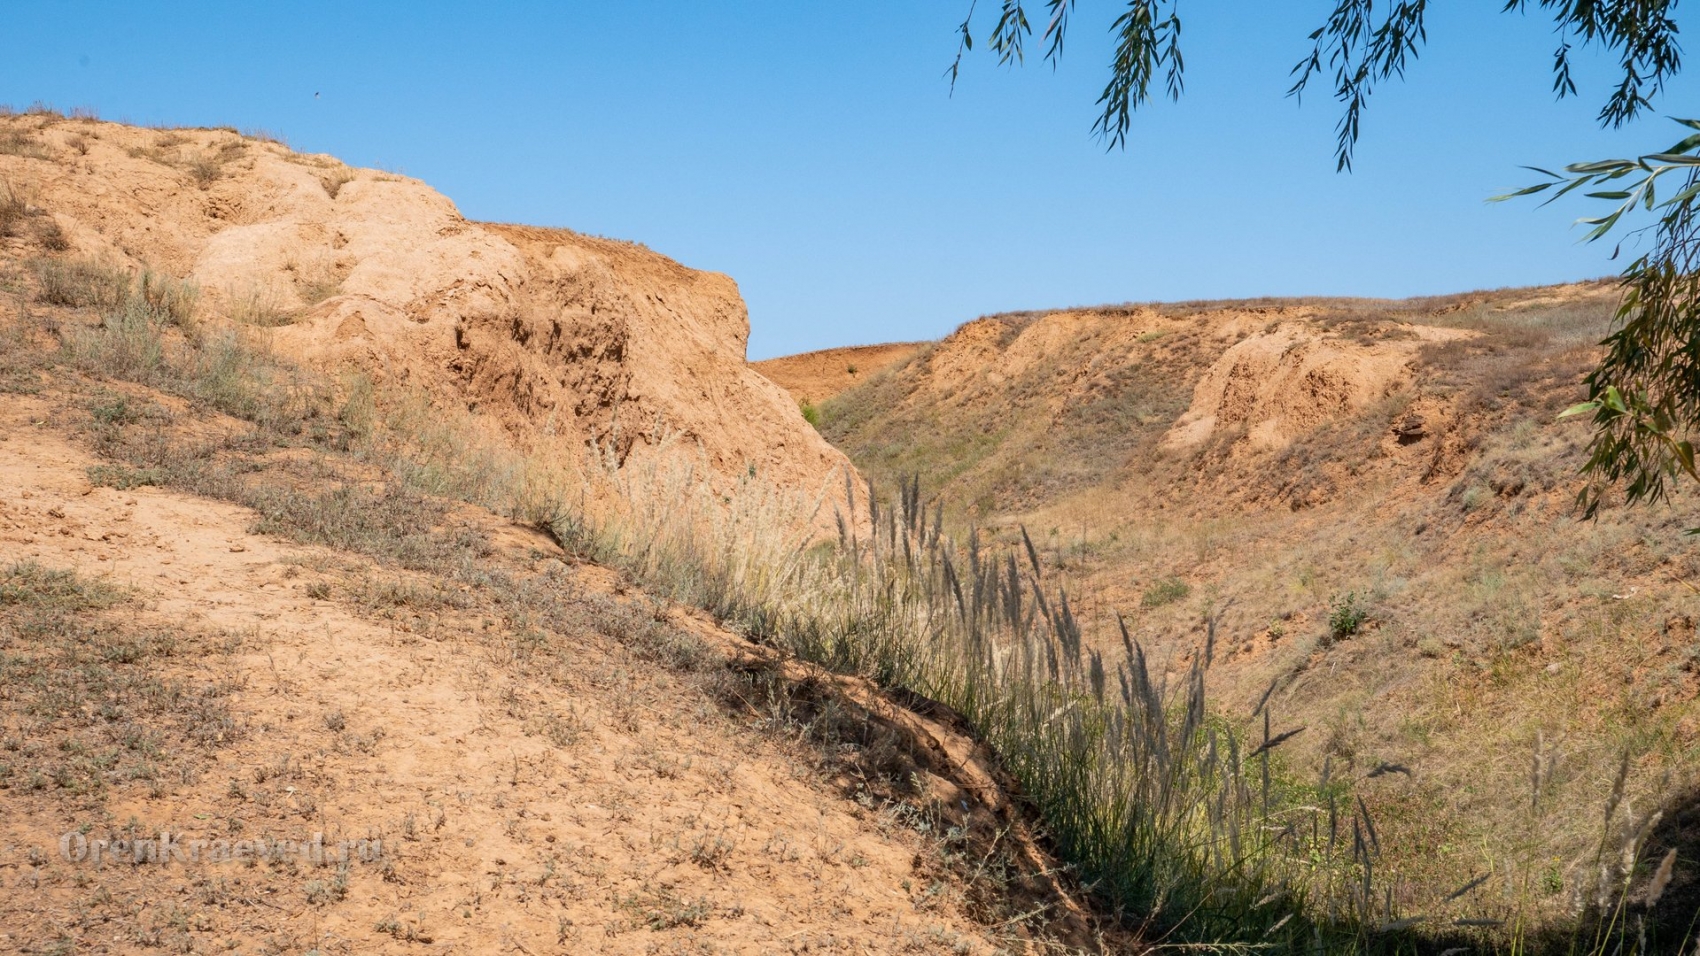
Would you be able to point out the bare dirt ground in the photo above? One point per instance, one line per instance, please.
(535, 790)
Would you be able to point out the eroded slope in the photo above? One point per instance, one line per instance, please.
(545, 331)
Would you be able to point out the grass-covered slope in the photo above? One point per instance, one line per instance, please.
(1373, 499)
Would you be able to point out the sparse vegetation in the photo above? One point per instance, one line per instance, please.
(203, 166)
(260, 307)
(81, 282)
(106, 699)
(660, 908)
(1164, 591)
(18, 142)
(870, 610)
(50, 236)
(308, 501)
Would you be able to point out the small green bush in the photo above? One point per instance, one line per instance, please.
(28, 583)
(1164, 591)
(811, 414)
(117, 411)
(1346, 615)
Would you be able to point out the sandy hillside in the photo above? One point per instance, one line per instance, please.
(1374, 499)
(244, 629)
(817, 376)
(241, 606)
(544, 330)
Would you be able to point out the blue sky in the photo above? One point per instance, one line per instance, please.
(814, 152)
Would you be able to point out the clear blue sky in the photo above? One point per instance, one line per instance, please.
(812, 150)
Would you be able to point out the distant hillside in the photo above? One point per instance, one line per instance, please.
(817, 376)
(1374, 498)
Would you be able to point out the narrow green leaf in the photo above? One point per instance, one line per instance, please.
(1604, 166)
(1674, 159)
(1685, 457)
(1682, 197)
(1525, 191)
(1574, 184)
(1686, 144)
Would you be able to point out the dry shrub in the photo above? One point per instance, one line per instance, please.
(208, 168)
(319, 277)
(50, 236)
(17, 142)
(81, 283)
(13, 210)
(204, 171)
(169, 300)
(334, 180)
(261, 308)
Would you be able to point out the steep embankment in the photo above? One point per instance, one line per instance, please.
(543, 331)
(1374, 500)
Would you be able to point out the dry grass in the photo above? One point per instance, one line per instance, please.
(16, 141)
(261, 308)
(203, 165)
(107, 704)
(318, 277)
(13, 211)
(335, 179)
(81, 283)
(1480, 614)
